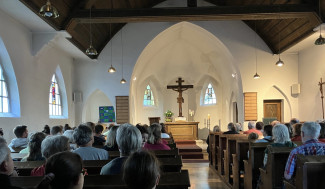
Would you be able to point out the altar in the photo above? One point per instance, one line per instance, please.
(183, 130)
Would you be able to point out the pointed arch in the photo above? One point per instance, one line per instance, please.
(209, 96)
(58, 106)
(9, 86)
(148, 97)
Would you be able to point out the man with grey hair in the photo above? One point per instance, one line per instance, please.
(251, 129)
(311, 146)
(6, 165)
(129, 140)
(51, 145)
(83, 137)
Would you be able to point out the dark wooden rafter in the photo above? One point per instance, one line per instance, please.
(195, 14)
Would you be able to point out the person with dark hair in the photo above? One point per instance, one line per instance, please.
(99, 139)
(56, 130)
(111, 144)
(51, 145)
(129, 140)
(290, 129)
(141, 171)
(322, 132)
(47, 130)
(259, 126)
(294, 121)
(251, 128)
(67, 127)
(252, 136)
(34, 146)
(21, 141)
(154, 141)
(1, 132)
(267, 133)
(231, 129)
(90, 125)
(144, 133)
(63, 170)
(163, 131)
(296, 132)
(83, 136)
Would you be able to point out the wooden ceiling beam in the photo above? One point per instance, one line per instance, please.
(195, 14)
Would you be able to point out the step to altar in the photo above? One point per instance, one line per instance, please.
(189, 150)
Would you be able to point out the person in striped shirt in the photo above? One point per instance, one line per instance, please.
(311, 146)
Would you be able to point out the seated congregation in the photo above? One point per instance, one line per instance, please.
(269, 156)
(126, 156)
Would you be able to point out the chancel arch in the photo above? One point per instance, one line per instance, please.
(191, 52)
(90, 110)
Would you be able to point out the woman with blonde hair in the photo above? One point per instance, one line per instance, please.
(154, 140)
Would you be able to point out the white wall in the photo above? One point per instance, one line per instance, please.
(311, 69)
(91, 111)
(33, 76)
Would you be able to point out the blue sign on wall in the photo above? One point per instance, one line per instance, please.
(106, 114)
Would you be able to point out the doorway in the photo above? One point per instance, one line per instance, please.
(272, 109)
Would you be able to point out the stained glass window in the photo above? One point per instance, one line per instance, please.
(55, 108)
(210, 96)
(148, 99)
(4, 100)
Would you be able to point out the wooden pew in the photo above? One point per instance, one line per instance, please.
(220, 154)
(309, 173)
(231, 149)
(170, 180)
(272, 175)
(242, 147)
(172, 164)
(159, 153)
(252, 165)
(214, 143)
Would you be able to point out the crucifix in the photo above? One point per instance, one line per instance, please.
(322, 93)
(179, 88)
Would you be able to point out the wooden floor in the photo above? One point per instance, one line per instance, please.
(202, 177)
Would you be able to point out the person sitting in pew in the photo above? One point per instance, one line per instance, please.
(99, 139)
(34, 147)
(47, 130)
(231, 129)
(83, 136)
(322, 132)
(69, 135)
(281, 139)
(141, 171)
(129, 140)
(21, 141)
(252, 137)
(251, 128)
(63, 170)
(144, 133)
(6, 165)
(111, 144)
(154, 141)
(57, 130)
(296, 132)
(311, 146)
(51, 145)
(163, 131)
(267, 133)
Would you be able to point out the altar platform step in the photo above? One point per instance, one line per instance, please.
(189, 150)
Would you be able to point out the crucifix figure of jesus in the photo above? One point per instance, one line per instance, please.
(179, 88)
(321, 93)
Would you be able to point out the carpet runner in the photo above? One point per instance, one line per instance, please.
(188, 149)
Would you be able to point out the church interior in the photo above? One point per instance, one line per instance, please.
(214, 45)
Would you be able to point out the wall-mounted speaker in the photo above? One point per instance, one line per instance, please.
(77, 97)
(295, 89)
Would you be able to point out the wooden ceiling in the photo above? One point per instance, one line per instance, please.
(291, 20)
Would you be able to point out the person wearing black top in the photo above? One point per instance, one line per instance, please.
(231, 129)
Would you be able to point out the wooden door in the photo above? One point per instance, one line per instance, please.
(272, 109)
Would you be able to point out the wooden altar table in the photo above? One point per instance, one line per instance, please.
(183, 130)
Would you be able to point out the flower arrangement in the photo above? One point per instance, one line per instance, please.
(169, 113)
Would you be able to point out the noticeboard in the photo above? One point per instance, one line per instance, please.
(106, 114)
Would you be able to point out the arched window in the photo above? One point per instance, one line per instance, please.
(148, 99)
(210, 96)
(4, 100)
(55, 108)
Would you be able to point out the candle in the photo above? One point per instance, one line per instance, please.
(208, 116)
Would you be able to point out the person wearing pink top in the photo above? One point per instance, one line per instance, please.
(251, 129)
(154, 140)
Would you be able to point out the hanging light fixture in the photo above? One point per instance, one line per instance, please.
(256, 76)
(320, 40)
(279, 62)
(91, 51)
(122, 80)
(48, 10)
(111, 69)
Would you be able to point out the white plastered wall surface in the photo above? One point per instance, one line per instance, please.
(33, 75)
